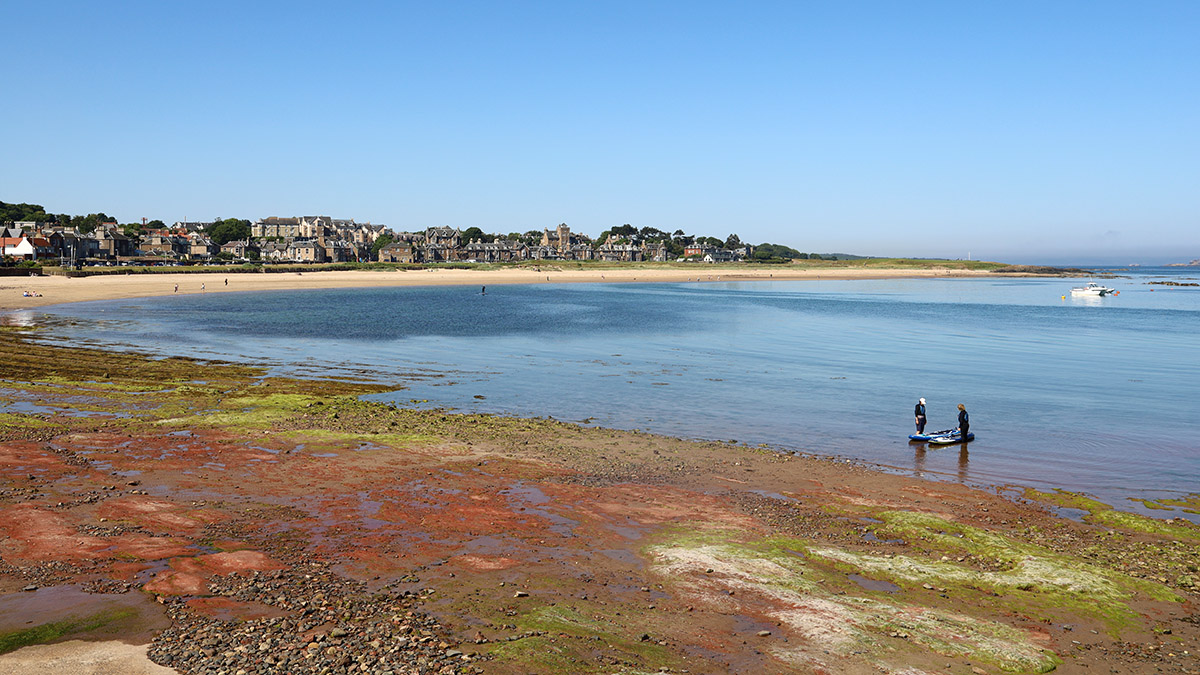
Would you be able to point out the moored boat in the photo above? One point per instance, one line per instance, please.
(1093, 288)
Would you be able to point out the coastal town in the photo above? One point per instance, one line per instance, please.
(322, 239)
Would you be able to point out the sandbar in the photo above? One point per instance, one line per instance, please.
(53, 290)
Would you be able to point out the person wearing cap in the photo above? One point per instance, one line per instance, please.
(964, 422)
(919, 413)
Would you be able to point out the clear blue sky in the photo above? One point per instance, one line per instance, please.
(1020, 131)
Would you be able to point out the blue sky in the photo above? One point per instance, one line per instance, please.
(1019, 131)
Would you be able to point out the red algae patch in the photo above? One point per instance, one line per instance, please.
(150, 548)
(158, 514)
(227, 609)
(652, 506)
(481, 563)
(24, 456)
(189, 576)
(31, 533)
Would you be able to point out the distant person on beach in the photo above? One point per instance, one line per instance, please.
(964, 422)
(176, 289)
(201, 286)
(919, 413)
(227, 282)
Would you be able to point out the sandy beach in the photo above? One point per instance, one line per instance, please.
(59, 289)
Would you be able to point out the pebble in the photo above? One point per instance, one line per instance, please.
(377, 633)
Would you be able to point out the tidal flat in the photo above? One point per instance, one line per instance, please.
(234, 521)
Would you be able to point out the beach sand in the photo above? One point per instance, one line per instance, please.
(60, 289)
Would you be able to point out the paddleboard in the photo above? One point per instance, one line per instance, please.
(952, 438)
(931, 434)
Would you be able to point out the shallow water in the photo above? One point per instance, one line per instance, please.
(1095, 394)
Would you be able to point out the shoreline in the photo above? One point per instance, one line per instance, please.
(326, 526)
(55, 290)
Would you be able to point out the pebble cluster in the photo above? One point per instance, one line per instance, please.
(328, 625)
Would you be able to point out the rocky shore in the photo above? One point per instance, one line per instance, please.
(243, 524)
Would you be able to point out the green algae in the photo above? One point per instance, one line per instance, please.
(560, 639)
(49, 632)
(801, 589)
(1103, 514)
(20, 421)
(1056, 580)
(318, 438)
(250, 412)
(1190, 501)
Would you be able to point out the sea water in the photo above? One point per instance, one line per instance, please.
(1100, 395)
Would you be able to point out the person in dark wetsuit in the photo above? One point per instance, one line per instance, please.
(964, 422)
(919, 413)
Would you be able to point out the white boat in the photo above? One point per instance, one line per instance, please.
(1093, 288)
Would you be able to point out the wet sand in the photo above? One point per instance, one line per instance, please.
(80, 657)
(59, 289)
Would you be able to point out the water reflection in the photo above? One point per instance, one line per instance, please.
(20, 319)
(964, 463)
(919, 460)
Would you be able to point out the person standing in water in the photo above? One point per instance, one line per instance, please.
(964, 422)
(483, 291)
(919, 413)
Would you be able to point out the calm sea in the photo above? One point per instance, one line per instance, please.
(1094, 394)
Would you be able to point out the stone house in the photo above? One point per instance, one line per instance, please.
(111, 242)
(500, 250)
(240, 250)
(619, 253)
(201, 247)
(443, 236)
(168, 245)
(285, 228)
(306, 250)
(397, 252)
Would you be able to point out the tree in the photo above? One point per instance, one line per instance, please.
(653, 234)
(380, 241)
(733, 241)
(230, 229)
(156, 224)
(766, 252)
(625, 230)
(10, 213)
(472, 233)
(88, 223)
